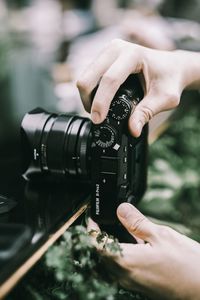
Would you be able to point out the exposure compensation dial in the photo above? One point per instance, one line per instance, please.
(105, 136)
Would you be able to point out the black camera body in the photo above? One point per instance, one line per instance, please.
(119, 168)
(105, 156)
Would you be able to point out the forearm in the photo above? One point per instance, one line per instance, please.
(189, 62)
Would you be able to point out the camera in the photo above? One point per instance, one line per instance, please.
(104, 156)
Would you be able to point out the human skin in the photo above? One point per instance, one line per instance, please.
(166, 266)
(164, 75)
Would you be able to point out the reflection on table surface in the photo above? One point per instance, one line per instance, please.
(30, 212)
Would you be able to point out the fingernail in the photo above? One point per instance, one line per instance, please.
(95, 116)
(123, 210)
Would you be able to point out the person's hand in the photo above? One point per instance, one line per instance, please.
(166, 266)
(165, 74)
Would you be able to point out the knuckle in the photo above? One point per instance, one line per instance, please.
(83, 86)
(172, 99)
(147, 113)
(109, 80)
(97, 105)
(164, 231)
(137, 225)
(116, 42)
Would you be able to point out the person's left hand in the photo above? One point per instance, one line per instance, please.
(166, 266)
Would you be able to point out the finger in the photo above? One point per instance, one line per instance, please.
(93, 230)
(92, 226)
(91, 77)
(118, 72)
(138, 240)
(136, 223)
(116, 269)
(151, 105)
(132, 259)
(100, 240)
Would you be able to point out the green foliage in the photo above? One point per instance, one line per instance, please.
(80, 270)
(74, 263)
(174, 182)
(73, 269)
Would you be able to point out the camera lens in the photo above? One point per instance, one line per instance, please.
(56, 144)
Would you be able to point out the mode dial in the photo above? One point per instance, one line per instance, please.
(104, 136)
(120, 108)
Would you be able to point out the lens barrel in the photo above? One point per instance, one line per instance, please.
(56, 144)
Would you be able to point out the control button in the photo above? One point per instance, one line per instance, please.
(125, 149)
(125, 176)
(125, 159)
(116, 147)
(109, 165)
(122, 191)
(131, 199)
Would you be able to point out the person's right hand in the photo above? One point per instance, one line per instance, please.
(165, 74)
(166, 266)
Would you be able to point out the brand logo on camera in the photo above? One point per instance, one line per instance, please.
(97, 199)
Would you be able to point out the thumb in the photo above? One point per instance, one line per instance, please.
(143, 113)
(136, 223)
(152, 104)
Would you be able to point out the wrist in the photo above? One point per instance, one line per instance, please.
(189, 64)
